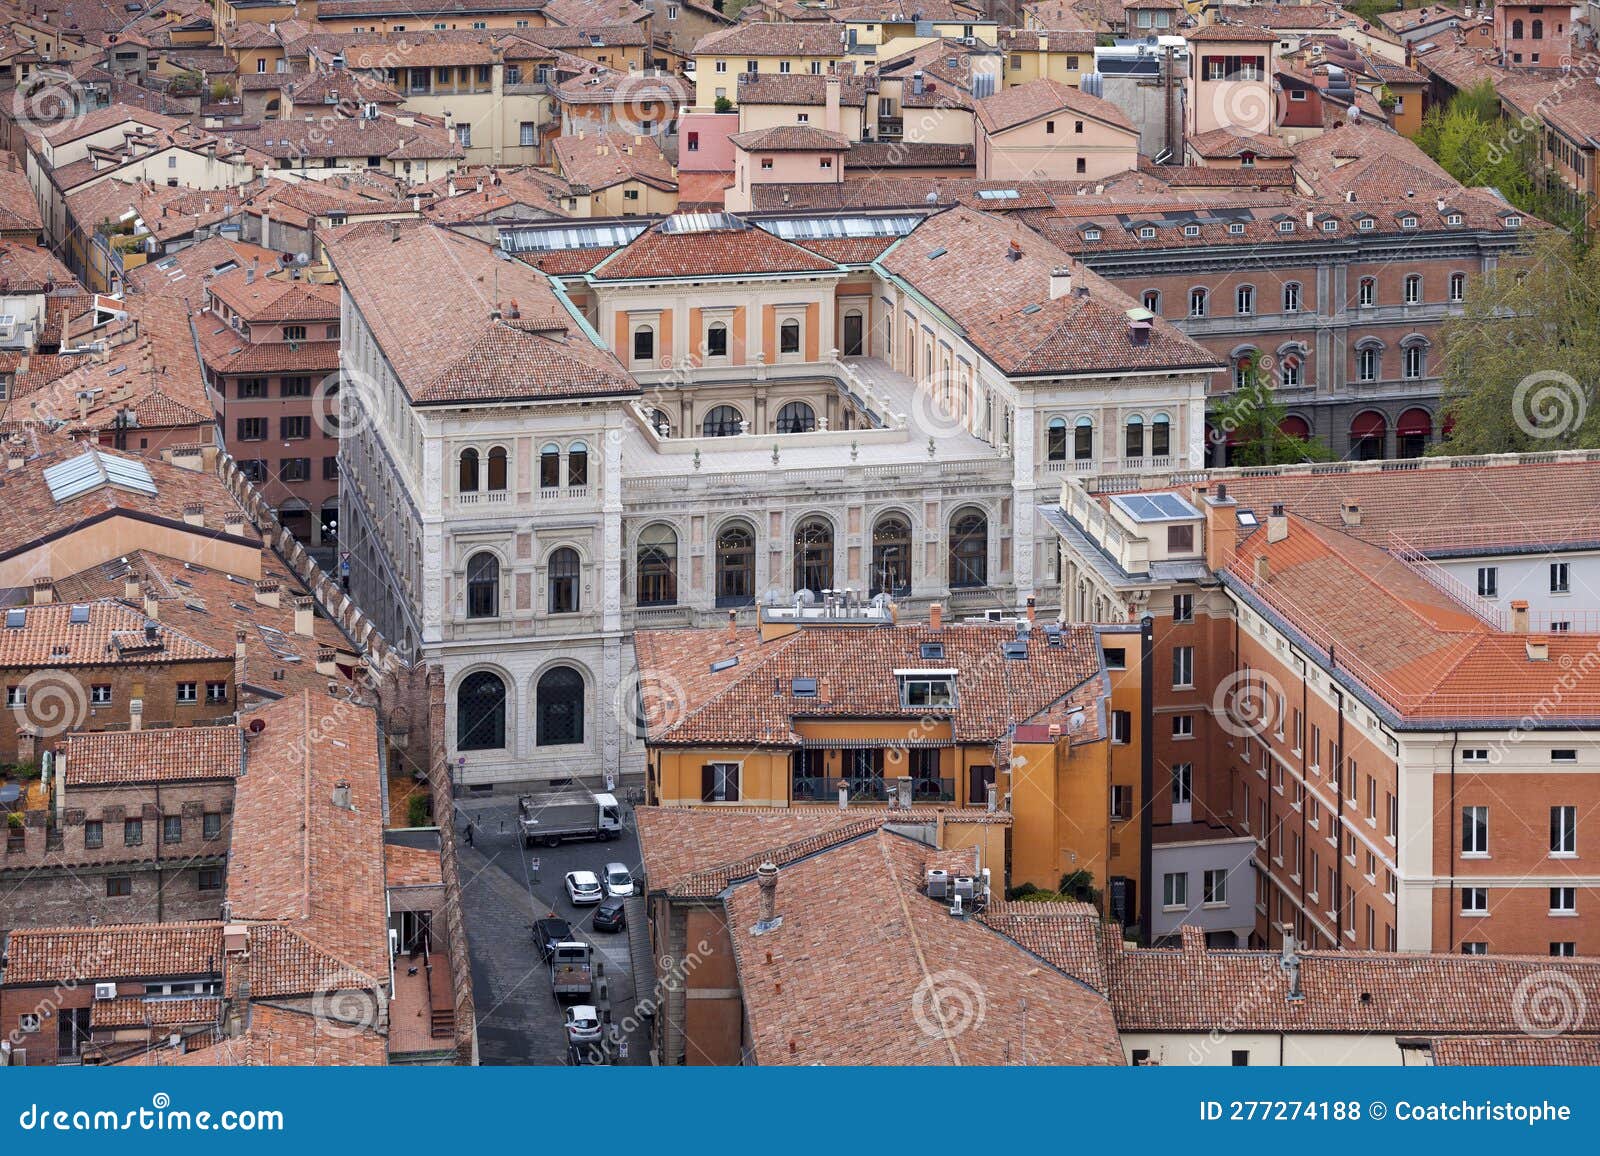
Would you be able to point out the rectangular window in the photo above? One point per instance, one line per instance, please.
(719, 783)
(528, 134)
(1474, 830)
(1567, 948)
(1182, 783)
(1475, 755)
(330, 468)
(1121, 726)
(1183, 726)
(94, 834)
(1182, 666)
(172, 828)
(294, 470)
(1183, 608)
(1116, 657)
(210, 879)
(916, 692)
(294, 333)
(1474, 947)
(1215, 887)
(1474, 901)
(100, 695)
(294, 428)
(1559, 583)
(1175, 890)
(250, 388)
(132, 832)
(210, 825)
(1563, 830)
(119, 886)
(295, 386)
(252, 429)
(1122, 803)
(1488, 581)
(1563, 901)
(187, 695)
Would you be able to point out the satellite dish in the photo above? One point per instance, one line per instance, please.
(302, 259)
(257, 725)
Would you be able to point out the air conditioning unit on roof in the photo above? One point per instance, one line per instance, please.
(105, 991)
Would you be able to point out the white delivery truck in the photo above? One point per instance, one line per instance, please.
(551, 819)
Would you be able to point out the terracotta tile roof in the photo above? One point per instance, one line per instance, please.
(692, 852)
(344, 137)
(109, 117)
(1378, 165)
(855, 669)
(1515, 1051)
(850, 250)
(582, 39)
(229, 353)
(716, 252)
(410, 866)
(280, 1037)
(598, 84)
(27, 268)
(133, 1012)
(1065, 934)
(114, 635)
(1025, 332)
(301, 860)
(168, 213)
(1297, 16)
(601, 160)
(47, 955)
(179, 754)
(277, 298)
(773, 40)
(904, 982)
(791, 138)
(438, 332)
(1229, 34)
(586, 13)
(801, 88)
(1068, 40)
(889, 156)
(1022, 103)
(1233, 142)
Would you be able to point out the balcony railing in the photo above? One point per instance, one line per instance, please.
(823, 789)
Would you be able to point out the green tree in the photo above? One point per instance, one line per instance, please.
(1253, 416)
(1522, 363)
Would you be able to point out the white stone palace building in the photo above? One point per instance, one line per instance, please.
(598, 427)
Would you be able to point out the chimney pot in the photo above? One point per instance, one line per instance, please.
(767, 880)
(1060, 282)
(1263, 570)
(936, 616)
(267, 593)
(1277, 524)
(1538, 646)
(304, 616)
(1350, 513)
(733, 626)
(1519, 616)
(44, 591)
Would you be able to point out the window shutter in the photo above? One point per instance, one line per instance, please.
(732, 792)
(708, 783)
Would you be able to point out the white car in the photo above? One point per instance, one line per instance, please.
(619, 881)
(583, 1024)
(583, 888)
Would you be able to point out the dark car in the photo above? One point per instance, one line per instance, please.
(548, 932)
(587, 1055)
(612, 915)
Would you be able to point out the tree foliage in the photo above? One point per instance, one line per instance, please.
(1253, 416)
(1522, 363)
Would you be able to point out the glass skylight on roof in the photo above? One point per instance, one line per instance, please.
(822, 228)
(998, 194)
(91, 469)
(1155, 507)
(553, 240)
(723, 664)
(79, 615)
(16, 619)
(701, 223)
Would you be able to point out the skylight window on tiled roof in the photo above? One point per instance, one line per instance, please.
(16, 619)
(723, 664)
(933, 650)
(1015, 651)
(536, 240)
(79, 615)
(825, 228)
(997, 194)
(90, 470)
(803, 687)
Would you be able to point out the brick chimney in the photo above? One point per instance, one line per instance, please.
(1222, 528)
(824, 689)
(233, 524)
(152, 605)
(304, 616)
(767, 880)
(1263, 570)
(44, 591)
(733, 626)
(325, 662)
(1519, 616)
(936, 616)
(1350, 513)
(194, 514)
(267, 593)
(240, 650)
(1277, 524)
(1538, 646)
(1033, 612)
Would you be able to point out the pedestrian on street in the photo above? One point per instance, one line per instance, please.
(469, 833)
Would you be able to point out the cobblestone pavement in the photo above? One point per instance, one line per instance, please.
(505, 887)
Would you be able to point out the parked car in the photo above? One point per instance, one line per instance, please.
(612, 915)
(586, 1055)
(548, 932)
(583, 1024)
(583, 888)
(619, 880)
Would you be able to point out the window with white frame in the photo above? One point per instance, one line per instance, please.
(1175, 889)
(1413, 285)
(1182, 783)
(1488, 581)
(1563, 830)
(1291, 297)
(1183, 726)
(1474, 830)
(1182, 666)
(1563, 901)
(1214, 887)
(1474, 901)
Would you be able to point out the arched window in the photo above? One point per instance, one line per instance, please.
(1414, 362)
(1289, 364)
(797, 417)
(1538, 30)
(1152, 300)
(736, 565)
(1367, 291)
(1244, 364)
(467, 479)
(657, 566)
(969, 549)
(717, 340)
(660, 422)
(1055, 440)
(550, 466)
(789, 336)
(564, 573)
(1197, 303)
(1160, 436)
(577, 464)
(1083, 440)
(481, 712)
(644, 343)
(1414, 289)
(1458, 288)
(1291, 297)
(1133, 438)
(483, 586)
(558, 707)
(722, 421)
(1516, 30)
(891, 556)
(1245, 300)
(1367, 435)
(497, 468)
(1413, 430)
(813, 555)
